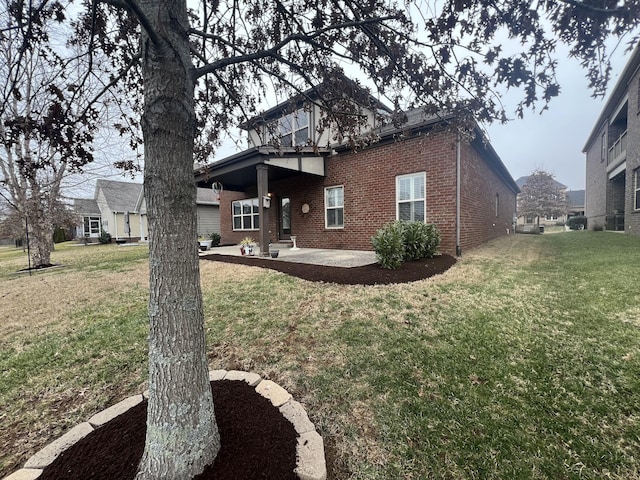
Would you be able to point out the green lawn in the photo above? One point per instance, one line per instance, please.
(522, 361)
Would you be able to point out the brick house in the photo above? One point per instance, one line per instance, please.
(612, 198)
(330, 196)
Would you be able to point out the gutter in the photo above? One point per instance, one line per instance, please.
(458, 247)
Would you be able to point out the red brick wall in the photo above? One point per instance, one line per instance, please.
(369, 180)
(479, 186)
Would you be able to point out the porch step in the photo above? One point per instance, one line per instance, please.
(281, 244)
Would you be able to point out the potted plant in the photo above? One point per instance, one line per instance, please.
(246, 246)
(204, 243)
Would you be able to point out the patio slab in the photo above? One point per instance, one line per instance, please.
(314, 256)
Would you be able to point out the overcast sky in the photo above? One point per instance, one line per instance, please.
(553, 141)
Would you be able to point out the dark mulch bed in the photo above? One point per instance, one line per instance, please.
(365, 275)
(258, 443)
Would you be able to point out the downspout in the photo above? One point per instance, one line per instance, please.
(458, 247)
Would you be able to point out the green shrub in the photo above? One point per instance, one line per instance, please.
(104, 237)
(421, 240)
(400, 241)
(59, 235)
(215, 239)
(389, 246)
(577, 223)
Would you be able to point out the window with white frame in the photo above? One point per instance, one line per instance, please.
(636, 188)
(334, 207)
(92, 226)
(410, 197)
(293, 129)
(246, 214)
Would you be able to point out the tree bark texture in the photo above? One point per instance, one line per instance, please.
(182, 435)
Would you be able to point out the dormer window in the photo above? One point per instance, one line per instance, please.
(293, 129)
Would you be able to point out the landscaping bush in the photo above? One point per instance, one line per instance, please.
(421, 240)
(215, 239)
(59, 235)
(577, 223)
(104, 237)
(389, 245)
(400, 241)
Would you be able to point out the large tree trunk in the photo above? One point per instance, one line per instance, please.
(182, 435)
(40, 237)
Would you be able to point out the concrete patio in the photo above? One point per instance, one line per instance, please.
(314, 256)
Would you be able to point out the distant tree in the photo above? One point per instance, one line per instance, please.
(199, 71)
(49, 112)
(542, 196)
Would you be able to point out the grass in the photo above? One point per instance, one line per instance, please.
(522, 361)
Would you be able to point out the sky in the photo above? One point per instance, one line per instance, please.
(553, 141)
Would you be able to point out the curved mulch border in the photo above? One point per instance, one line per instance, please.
(371, 274)
(264, 434)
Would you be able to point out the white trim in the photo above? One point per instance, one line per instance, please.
(413, 199)
(337, 207)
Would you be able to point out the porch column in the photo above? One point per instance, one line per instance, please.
(263, 190)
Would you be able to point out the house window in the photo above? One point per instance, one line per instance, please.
(293, 129)
(636, 188)
(410, 197)
(603, 147)
(334, 207)
(92, 226)
(497, 204)
(550, 218)
(246, 214)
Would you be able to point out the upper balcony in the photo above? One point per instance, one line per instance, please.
(618, 151)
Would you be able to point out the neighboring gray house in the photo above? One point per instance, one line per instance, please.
(612, 199)
(88, 210)
(208, 206)
(119, 209)
(124, 212)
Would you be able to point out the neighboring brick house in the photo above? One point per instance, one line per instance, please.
(334, 197)
(612, 199)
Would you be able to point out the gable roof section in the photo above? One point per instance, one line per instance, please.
(120, 196)
(575, 198)
(416, 121)
(523, 180)
(617, 94)
(87, 207)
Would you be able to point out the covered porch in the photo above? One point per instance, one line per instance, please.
(246, 180)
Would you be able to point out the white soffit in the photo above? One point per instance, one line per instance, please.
(313, 165)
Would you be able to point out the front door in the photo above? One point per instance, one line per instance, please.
(284, 218)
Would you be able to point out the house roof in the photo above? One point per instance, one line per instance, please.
(87, 207)
(617, 94)
(120, 196)
(312, 94)
(417, 121)
(129, 196)
(575, 198)
(523, 180)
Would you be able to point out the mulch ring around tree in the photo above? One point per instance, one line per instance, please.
(258, 443)
(371, 274)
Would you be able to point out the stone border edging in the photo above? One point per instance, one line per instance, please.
(310, 459)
